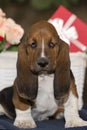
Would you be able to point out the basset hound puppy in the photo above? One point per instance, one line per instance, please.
(45, 85)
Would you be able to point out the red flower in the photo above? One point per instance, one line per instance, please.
(1, 38)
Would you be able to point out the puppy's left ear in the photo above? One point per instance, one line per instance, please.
(62, 72)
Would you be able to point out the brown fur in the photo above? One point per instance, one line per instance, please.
(73, 85)
(26, 82)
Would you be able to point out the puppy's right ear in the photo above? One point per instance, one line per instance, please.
(26, 82)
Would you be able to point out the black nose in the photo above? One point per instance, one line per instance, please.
(43, 62)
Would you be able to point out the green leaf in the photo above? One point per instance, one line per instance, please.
(13, 48)
(41, 4)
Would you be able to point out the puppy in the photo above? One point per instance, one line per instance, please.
(45, 85)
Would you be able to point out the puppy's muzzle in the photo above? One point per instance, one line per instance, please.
(42, 62)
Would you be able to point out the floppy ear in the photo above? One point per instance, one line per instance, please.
(26, 82)
(62, 73)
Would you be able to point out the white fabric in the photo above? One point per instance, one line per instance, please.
(7, 68)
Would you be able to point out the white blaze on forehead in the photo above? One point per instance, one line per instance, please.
(42, 49)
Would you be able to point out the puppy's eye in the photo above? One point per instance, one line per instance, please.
(34, 44)
(51, 45)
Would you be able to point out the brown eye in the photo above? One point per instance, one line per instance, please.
(51, 45)
(34, 44)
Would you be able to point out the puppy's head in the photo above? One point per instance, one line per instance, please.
(42, 47)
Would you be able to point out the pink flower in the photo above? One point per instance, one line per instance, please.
(2, 14)
(7, 45)
(9, 29)
(14, 32)
(2, 26)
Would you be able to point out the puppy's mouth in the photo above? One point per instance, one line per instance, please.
(43, 71)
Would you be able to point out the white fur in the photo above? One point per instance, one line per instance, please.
(45, 102)
(71, 112)
(2, 111)
(24, 119)
(42, 52)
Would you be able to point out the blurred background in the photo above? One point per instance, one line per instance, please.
(27, 12)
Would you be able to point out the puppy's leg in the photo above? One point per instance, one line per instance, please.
(59, 113)
(6, 105)
(24, 119)
(23, 113)
(71, 111)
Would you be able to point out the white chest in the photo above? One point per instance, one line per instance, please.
(45, 101)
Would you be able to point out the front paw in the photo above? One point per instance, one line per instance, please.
(25, 123)
(75, 123)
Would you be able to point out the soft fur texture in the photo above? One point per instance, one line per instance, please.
(45, 85)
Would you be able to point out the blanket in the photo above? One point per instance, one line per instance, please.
(52, 124)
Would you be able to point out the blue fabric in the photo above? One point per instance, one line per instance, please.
(52, 124)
